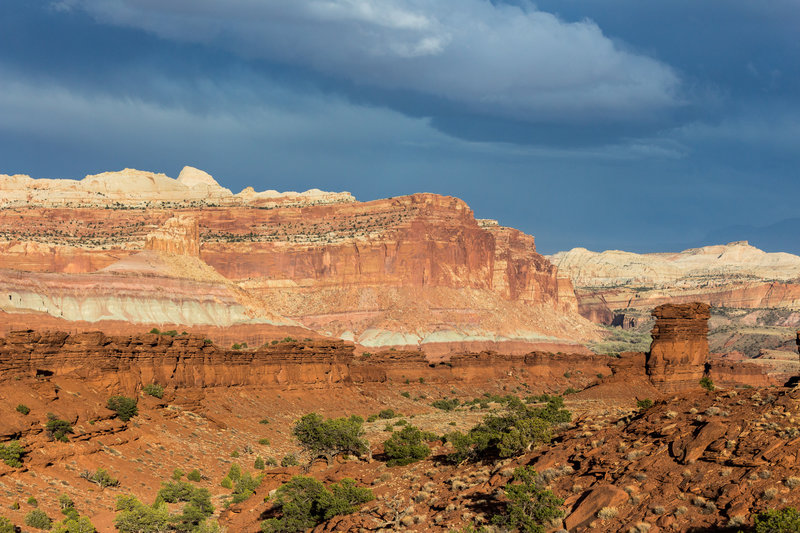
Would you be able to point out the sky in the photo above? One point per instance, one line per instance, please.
(607, 124)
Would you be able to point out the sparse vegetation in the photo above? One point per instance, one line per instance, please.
(194, 475)
(647, 403)
(511, 433)
(24, 409)
(6, 526)
(707, 384)
(407, 446)
(58, 429)
(775, 521)
(331, 437)
(125, 407)
(154, 389)
(530, 505)
(100, 477)
(289, 459)
(304, 502)
(445, 404)
(38, 519)
(11, 453)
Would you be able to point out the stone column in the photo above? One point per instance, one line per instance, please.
(679, 350)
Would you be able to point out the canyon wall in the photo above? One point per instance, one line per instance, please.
(126, 363)
(405, 271)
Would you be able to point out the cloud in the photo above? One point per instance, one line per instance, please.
(493, 59)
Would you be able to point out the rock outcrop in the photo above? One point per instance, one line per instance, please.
(678, 354)
(409, 271)
(179, 235)
(127, 362)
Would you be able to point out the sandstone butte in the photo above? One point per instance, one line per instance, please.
(735, 275)
(127, 251)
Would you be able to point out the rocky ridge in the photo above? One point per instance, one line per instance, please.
(411, 271)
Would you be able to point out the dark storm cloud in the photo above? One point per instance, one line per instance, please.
(499, 60)
(607, 124)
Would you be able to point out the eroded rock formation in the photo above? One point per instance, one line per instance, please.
(679, 349)
(178, 235)
(127, 362)
(407, 272)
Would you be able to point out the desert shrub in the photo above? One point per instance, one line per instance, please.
(387, 414)
(331, 437)
(57, 429)
(406, 446)
(226, 483)
(304, 502)
(264, 442)
(170, 333)
(136, 517)
(512, 433)
(154, 389)
(707, 384)
(445, 404)
(289, 460)
(570, 390)
(155, 331)
(235, 454)
(100, 477)
(38, 519)
(6, 526)
(24, 409)
(405, 394)
(647, 403)
(245, 487)
(234, 472)
(264, 421)
(372, 418)
(76, 524)
(11, 453)
(198, 504)
(33, 502)
(530, 505)
(775, 521)
(124, 407)
(259, 464)
(194, 475)
(177, 474)
(65, 502)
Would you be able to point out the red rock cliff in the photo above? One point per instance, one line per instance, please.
(680, 346)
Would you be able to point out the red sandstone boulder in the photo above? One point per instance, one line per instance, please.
(586, 511)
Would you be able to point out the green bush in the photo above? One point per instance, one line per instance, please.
(264, 442)
(530, 506)
(170, 333)
(38, 519)
(271, 461)
(510, 434)
(154, 389)
(405, 394)
(198, 504)
(6, 526)
(155, 331)
(33, 502)
(24, 409)
(707, 384)
(100, 477)
(445, 404)
(65, 502)
(386, 414)
(304, 502)
(289, 460)
(264, 421)
(775, 521)
(124, 407)
(372, 418)
(74, 524)
(11, 453)
(647, 403)
(57, 429)
(331, 437)
(177, 474)
(245, 487)
(234, 472)
(194, 475)
(259, 464)
(135, 517)
(406, 446)
(226, 483)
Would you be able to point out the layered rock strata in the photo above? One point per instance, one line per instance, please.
(679, 350)
(411, 271)
(127, 363)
